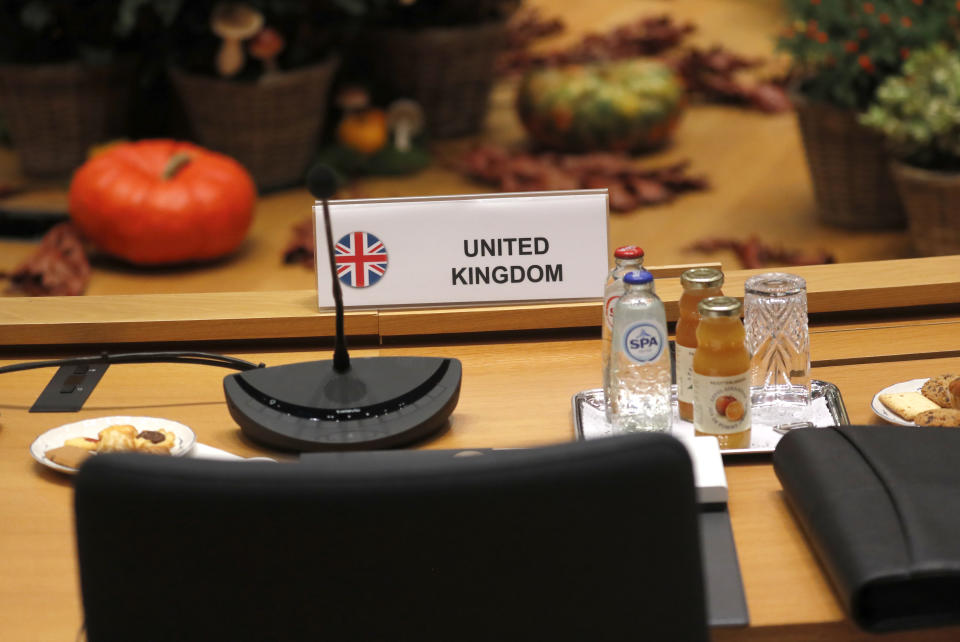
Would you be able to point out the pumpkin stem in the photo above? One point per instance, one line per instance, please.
(177, 162)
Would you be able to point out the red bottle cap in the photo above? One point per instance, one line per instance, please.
(628, 252)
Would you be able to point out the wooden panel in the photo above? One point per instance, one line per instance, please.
(870, 285)
(292, 314)
(860, 345)
(882, 284)
(848, 287)
(494, 318)
(511, 317)
(259, 315)
(830, 288)
(893, 318)
(674, 271)
(171, 317)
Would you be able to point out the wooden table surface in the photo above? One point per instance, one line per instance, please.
(754, 161)
(516, 392)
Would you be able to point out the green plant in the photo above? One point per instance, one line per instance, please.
(918, 111)
(843, 49)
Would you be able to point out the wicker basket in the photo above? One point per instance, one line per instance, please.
(932, 202)
(271, 126)
(849, 167)
(448, 70)
(56, 112)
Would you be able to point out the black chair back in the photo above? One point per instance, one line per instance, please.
(586, 541)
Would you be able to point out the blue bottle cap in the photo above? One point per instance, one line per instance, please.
(637, 277)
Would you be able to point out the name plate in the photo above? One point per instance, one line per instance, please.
(446, 250)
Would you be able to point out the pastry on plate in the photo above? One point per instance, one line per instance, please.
(86, 443)
(158, 442)
(117, 438)
(936, 389)
(907, 404)
(953, 393)
(947, 417)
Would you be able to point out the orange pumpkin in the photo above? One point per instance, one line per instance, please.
(157, 202)
(365, 131)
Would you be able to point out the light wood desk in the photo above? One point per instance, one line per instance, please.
(516, 391)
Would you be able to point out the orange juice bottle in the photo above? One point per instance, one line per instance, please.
(721, 374)
(698, 284)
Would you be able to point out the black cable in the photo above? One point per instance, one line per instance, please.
(200, 358)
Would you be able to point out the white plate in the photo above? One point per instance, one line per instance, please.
(886, 414)
(55, 437)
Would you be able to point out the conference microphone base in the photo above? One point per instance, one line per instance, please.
(380, 402)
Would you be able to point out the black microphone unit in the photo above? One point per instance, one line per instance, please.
(343, 403)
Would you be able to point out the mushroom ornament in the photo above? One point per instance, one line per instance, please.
(405, 120)
(233, 23)
(265, 47)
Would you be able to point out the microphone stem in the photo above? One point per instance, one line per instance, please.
(341, 358)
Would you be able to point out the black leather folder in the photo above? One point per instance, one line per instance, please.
(881, 507)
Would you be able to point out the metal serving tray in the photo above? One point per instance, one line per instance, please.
(826, 409)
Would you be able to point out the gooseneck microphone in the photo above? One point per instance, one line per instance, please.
(343, 403)
(322, 183)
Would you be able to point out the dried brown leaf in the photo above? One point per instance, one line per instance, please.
(58, 267)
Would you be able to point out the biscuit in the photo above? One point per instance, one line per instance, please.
(907, 404)
(935, 389)
(941, 417)
(953, 391)
(69, 456)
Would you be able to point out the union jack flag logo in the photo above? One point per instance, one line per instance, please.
(361, 259)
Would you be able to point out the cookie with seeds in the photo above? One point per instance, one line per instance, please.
(936, 389)
(947, 417)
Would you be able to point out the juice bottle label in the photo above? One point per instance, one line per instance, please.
(685, 373)
(645, 341)
(721, 405)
